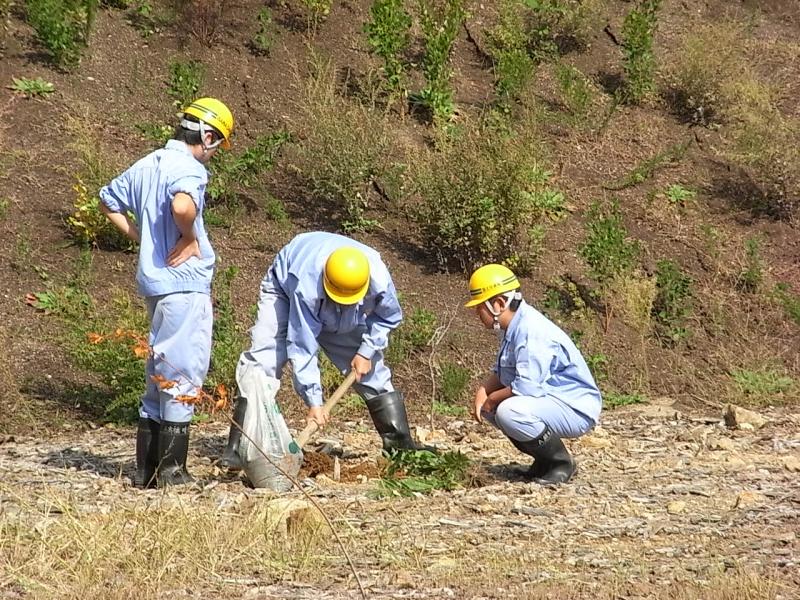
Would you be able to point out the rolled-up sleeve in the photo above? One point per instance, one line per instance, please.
(193, 185)
(533, 367)
(116, 195)
(386, 317)
(301, 349)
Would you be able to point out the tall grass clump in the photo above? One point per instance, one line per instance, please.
(508, 46)
(441, 21)
(388, 36)
(62, 27)
(638, 33)
(344, 149)
(484, 195)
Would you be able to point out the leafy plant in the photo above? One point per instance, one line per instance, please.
(481, 195)
(577, 93)
(790, 301)
(678, 195)
(344, 150)
(507, 43)
(764, 385)
(615, 400)
(598, 365)
(155, 132)
(263, 38)
(441, 21)
(672, 303)
(753, 272)
(62, 27)
(185, 81)
(607, 250)
(235, 171)
(89, 226)
(638, 31)
(415, 332)
(275, 210)
(318, 11)
(32, 88)
(388, 36)
(420, 472)
(453, 382)
(645, 169)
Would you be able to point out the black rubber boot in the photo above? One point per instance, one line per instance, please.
(388, 412)
(173, 446)
(230, 458)
(552, 461)
(146, 453)
(537, 468)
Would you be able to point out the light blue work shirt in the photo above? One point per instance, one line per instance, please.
(298, 272)
(146, 190)
(538, 359)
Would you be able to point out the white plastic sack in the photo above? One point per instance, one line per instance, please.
(265, 425)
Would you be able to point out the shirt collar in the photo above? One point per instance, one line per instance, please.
(515, 321)
(179, 146)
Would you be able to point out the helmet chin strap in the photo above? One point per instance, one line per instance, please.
(510, 297)
(201, 127)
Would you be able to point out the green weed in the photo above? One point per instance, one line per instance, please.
(678, 195)
(154, 132)
(638, 31)
(441, 21)
(62, 27)
(598, 365)
(420, 472)
(560, 25)
(449, 410)
(672, 304)
(453, 382)
(388, 36)
(229, 337)
(790, 301)
(762, 386)
(232, 172)
(414, 334)
(32, 88)
(264, 36)
(185, 80)
(344, 150)
(4, 204)
(317, 12)
(481, 194)
(649, 166)
(753, 272)
(507, 43)
(577, 92)
(607, 250)
(615, 400)
(275, 210)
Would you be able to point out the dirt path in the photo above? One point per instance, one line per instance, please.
(665, 505)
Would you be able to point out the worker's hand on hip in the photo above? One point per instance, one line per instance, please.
(318, 416)
(361, 366)
(183, 251)
(480, 400)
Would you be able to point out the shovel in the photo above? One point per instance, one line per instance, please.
(263, 473)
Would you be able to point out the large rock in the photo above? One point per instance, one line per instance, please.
(737, 417)
(293, 517)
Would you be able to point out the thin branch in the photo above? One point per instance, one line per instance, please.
(436, 339)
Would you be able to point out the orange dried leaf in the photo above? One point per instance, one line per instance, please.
(141, 349)
(187, 399)
(94, 338)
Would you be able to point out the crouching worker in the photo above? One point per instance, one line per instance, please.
(164, 191)
(540, 389)
(327, 291)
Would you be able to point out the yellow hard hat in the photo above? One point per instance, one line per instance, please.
(489, 281)
(346, 277)
(213, 112)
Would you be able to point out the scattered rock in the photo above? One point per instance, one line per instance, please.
(430, 436)
(792, 464)
(722, 444)
(594, 441)
(676, 507)
(737, 417)
(749, 499)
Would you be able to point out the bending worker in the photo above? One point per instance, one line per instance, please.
(540, 389)
(327, 291)
(165, 193)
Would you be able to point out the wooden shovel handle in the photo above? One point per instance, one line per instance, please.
(312, 427)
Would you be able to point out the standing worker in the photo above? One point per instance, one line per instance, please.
(540, 389)
(327, 291)
(164, 192)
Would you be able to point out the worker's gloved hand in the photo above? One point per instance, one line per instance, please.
(317, 415)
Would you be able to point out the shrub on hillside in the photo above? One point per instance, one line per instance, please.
(62, 27)
(608, 250)
(484, 197)
(638, 32)
(508, 47)
(344, 148)
(388, 37)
